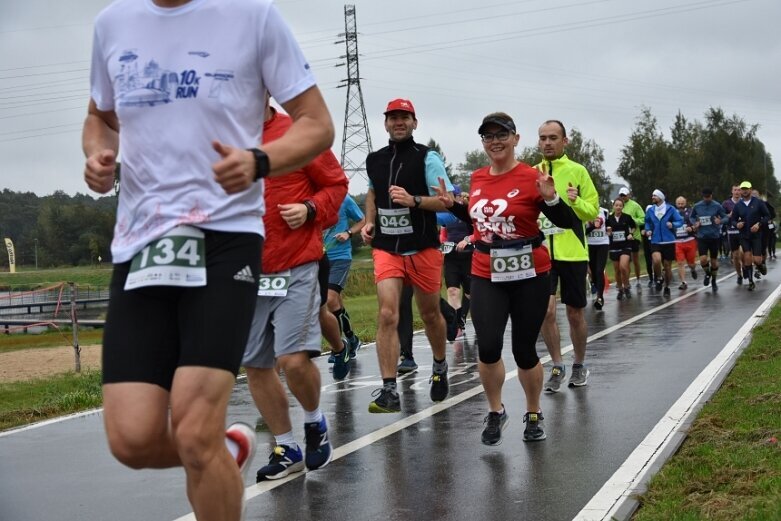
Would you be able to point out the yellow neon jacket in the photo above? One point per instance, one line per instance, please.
(570, 245)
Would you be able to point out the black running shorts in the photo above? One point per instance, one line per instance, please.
(573, 281)
(153, 330)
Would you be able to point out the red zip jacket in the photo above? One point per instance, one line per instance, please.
(323, 181)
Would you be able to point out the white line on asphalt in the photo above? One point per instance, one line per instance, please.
(344, 450)
(633, 475)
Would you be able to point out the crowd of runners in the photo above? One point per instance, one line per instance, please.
(233, 245)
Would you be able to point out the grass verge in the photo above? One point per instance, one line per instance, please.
(729, 466)
(35, 400)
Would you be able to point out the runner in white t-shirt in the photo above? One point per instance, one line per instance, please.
(178, 87)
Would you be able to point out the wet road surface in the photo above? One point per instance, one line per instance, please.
(427, 462)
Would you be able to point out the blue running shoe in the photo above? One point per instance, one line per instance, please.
(355, 345)
(318, 447)
(342, 363)
(407, 365)
(283, 460)
(332, 358)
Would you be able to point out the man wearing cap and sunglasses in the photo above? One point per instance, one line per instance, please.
(748, 216)
(568, 252)
(401, 226)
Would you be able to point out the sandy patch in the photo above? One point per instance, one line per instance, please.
(27, 364)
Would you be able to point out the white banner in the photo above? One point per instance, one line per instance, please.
(11, 254)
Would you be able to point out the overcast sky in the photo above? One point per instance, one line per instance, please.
(592, 64)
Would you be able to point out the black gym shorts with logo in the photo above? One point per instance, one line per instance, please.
(152, 331)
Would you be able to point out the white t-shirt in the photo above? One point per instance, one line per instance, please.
(598, 236)
(179, 79)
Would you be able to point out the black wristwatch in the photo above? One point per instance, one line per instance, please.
(262, 166)
(417, 200)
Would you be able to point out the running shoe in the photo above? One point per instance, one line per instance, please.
(579, 376)
(318, 447)
(638, 285)
(706, 280)
(757, 274)
(740, 280)
(244, 436)
(751, 286)
(283, 460)
(494, 425)
(650, 282)
(556, 377)
(385, 401)
(598, 303)
(620, 294)
(628, 292)
(439, 385)
(683, 285)
(762, 268)
(667, 291)
(714, 285)
(355, 345)
(659, 285)
(332, 358)
(593, 289)
(407, 365)
(342, 363)
(694, 272)
(533, 431)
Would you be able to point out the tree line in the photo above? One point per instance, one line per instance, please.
(57, 229)
(717, 152)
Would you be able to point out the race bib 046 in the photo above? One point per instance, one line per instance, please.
(395, 221)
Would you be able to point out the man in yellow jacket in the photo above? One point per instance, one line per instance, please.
(569, 254)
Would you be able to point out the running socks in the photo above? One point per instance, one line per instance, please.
(313, 416)
(389, 384)
(286, 439)
(440, 366)
(344, 322)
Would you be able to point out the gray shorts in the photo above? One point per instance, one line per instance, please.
(337, 277)
(286, 325)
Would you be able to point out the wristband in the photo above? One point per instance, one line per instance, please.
(311, 209)
(262, 166)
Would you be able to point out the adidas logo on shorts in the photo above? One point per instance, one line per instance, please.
(245, 275)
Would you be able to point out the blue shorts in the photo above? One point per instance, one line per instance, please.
(337, 278)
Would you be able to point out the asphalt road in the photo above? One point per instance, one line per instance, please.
(427, 462)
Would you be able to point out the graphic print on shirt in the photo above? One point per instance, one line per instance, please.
(153, 84)
(489, 218)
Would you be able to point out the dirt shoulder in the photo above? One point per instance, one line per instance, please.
(28, 364)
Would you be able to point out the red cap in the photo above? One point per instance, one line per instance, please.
(404, 105)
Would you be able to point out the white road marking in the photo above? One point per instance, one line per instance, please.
(364, 441)
(633, 475)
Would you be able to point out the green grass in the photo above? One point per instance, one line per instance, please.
(35, 400)
(729, 467)
(29, 279)
(17, 342)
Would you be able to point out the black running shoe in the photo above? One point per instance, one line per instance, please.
(598, 303)
(751, 286)
(667, 291)
(762, 268)
(439, 386)
(533, 431)
(385, 401)
(494, 425)
(706, 280)
(694, 273)
(740, 280)
(659, 285)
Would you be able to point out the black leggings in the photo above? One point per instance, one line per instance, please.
(525, 302)
(597, 260)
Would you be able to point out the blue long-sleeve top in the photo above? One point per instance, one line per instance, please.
(704, 216)
(749, 213)
(660, 233)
